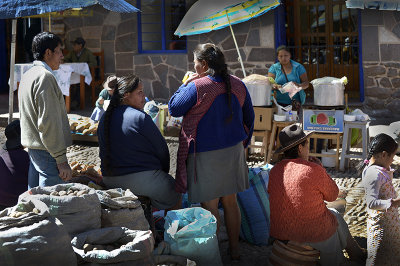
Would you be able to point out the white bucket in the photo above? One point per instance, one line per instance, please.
(328, 161)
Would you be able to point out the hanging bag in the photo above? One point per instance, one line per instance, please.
(296, 105)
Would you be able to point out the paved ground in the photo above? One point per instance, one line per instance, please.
(251, 255)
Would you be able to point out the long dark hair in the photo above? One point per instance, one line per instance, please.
(216, 67)
(124, 85)
(380, 143)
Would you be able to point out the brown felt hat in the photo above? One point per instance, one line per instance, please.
(291, 136)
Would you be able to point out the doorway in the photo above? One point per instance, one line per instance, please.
(323, 36)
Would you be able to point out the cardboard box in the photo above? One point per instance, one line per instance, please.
(328, 121)
(263, 118)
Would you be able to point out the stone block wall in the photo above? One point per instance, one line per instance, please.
(381, 62)
(161, 74)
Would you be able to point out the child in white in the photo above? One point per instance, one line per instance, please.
(383, 221)
(105, 94)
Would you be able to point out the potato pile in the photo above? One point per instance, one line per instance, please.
(70, 192)
(79, 169)
(83, 125)
(16, 214)
(109, 247)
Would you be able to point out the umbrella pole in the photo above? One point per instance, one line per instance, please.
(236, 45)
(49, 22)
(12, 63)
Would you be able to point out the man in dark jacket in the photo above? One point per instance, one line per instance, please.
(80, 54)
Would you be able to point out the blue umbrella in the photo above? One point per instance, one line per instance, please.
(23, 8)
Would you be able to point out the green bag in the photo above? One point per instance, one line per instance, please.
(356, 136)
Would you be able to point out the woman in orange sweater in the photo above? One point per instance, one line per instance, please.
(298, 188)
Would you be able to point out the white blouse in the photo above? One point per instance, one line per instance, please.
(373, 177)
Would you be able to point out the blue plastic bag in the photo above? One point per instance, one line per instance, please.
(254, 207)
(191, 233)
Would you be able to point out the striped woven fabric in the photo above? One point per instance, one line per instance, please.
(254, 207)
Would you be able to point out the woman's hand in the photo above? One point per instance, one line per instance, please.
(395, 202)
(276, 86)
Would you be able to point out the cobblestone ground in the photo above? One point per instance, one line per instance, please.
(87, 153)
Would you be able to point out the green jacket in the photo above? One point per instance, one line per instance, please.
(44, 121)
(86, 56)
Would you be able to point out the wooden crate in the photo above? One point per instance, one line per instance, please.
(263, 118)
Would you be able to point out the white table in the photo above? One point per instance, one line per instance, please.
(67, 74)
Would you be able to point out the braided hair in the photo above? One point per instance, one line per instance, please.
(380, 143)
(124, 85)
(216, 67)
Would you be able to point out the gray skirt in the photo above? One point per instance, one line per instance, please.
(155, 184)
(218, 173)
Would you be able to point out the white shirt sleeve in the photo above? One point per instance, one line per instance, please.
(372, 182)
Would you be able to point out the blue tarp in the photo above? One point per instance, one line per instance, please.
(24, 8)
(381, 5)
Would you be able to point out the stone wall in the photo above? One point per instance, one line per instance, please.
(161, 74)
(381, 62)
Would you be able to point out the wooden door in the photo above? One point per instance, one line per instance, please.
(323, 36)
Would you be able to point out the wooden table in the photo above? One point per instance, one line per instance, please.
(328, 136)
(67, 74)
(81, 93)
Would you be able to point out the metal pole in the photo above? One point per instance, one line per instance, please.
(237, 48)
(12, 64)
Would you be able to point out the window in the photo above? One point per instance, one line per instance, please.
(156, 26)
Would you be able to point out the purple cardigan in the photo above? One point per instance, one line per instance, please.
(14, 167)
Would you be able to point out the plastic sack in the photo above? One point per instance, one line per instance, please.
(117, 198)
(24, 213)
(360, 115)
(45, 242)
(254, 207)
(356, 134)
(153, 111)
(329, 80)
(191, 233)
(121, 208)
(256, 79)
(77, 213)
(131, 246)
(290, 88)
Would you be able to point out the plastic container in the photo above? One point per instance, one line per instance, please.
(349, 118)
(328, 161)
(328, 91)
(260, 94)
(279, 118)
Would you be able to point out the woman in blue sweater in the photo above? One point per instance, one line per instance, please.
(287, 70)
(217, 124)
(133, 152)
